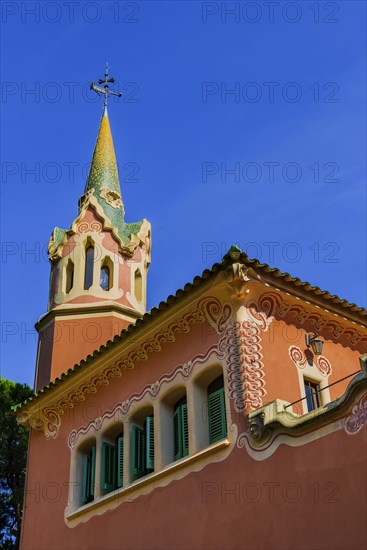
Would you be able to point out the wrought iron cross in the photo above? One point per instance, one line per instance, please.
(105, 90)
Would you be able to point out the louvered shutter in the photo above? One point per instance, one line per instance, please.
(180, 432)
(149, 443)
(92, 472)
(217, 415)
(120, 461)
(137, 451)
(177, 436)
(86, 478)
(185, 430)
(89, 464)
(108, 467)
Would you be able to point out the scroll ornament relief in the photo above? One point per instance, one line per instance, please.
(358, 417)
(208, 309)
(121, 410)
(241, 345)
(273, 304)
(300, 360)
(239, 348)
(84, 227)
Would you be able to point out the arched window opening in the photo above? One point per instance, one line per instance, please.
(89, 265)
(69, 276)
(138, 283)
(106, 274)
(105, 278)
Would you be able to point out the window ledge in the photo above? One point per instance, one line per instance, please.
(136, 488)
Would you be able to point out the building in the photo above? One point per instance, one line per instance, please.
(231, 416)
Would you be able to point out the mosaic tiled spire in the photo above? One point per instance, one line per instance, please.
(103, 180)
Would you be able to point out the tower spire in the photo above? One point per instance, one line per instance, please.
(103, 172)
(103, 179)
(98, 267)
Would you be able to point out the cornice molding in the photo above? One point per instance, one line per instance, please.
(310, 297)
(85, 309)
(275, 304)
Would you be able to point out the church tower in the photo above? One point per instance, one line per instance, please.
(98, 267)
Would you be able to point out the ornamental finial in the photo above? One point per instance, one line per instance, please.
(105, 90)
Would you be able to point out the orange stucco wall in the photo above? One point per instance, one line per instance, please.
(65, 342)
(305, 497)
(281, 373)
(300, 497)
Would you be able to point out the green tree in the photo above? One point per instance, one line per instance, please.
(13, 456)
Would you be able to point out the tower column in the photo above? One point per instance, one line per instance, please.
(83, 313)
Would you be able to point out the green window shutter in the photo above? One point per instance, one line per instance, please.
(89, 464)
(217, 415)
(185, 430)
(120, 461)
(108, 467)
(137, 452)
(149, 446)
(177, 436)
(92, 472)
(180, 432)
(86, 477)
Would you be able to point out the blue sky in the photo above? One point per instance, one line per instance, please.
(245, 127)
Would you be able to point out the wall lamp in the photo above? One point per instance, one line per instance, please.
(315, 342)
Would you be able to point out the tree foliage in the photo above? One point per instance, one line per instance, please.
(13, 456)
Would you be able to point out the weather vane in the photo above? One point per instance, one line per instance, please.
(105, 90)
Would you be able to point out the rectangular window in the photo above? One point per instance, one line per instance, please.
(89, 469)
(312, 391)
(142, 448)
(89, 266)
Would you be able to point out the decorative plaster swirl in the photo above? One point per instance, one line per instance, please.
(122, 409)
(358, 418)
(273, 304)
(208, 309)
(241, 346)
(83, 227)
(300, 360)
